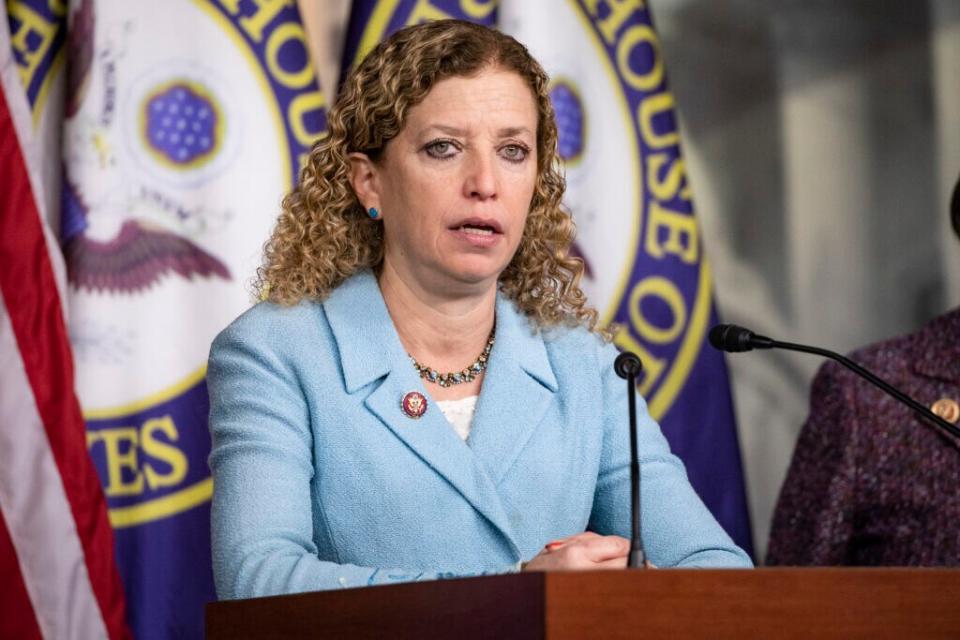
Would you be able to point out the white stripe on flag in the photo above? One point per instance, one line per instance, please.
(35, 508)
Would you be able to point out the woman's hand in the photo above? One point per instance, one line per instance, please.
(584, 551)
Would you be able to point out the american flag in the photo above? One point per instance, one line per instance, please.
(56, 545)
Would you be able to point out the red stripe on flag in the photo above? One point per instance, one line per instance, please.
(17, 618)
(33, 302)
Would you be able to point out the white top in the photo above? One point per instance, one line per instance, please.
(459, 413)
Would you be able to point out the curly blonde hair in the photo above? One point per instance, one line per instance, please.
(324, 235)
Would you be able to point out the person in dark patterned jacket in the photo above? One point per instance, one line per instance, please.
(870, 483)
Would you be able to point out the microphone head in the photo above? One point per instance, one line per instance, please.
(627, 365)
(731, 338)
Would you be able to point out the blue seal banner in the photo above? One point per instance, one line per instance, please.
(665, 308)
(186, 123)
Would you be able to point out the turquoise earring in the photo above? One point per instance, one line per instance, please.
(373, 213)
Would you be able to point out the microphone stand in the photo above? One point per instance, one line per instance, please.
(732, 338)
(628, 365)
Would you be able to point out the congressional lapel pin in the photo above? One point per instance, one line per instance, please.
(414, 404)
(947, 408)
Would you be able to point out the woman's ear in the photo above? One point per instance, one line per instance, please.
(364, 180)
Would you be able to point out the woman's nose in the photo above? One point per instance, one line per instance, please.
(481, 178)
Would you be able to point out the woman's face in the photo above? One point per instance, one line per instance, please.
(455, 185)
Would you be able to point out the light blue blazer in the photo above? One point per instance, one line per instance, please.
(321, 481)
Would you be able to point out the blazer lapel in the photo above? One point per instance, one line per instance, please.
(517, 391)
(370, 350)
(433, 439)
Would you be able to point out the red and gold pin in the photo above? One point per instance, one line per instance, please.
(414, 404)
(946, 408)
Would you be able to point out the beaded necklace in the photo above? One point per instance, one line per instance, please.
(469, 374)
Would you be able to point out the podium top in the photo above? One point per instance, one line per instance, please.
(676, 603)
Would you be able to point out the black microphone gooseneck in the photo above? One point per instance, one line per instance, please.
(628, 366)
(734, 339)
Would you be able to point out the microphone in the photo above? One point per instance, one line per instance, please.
(734, 339)
(628, 366)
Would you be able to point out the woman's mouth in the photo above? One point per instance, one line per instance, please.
(479, 233)
(479, 226)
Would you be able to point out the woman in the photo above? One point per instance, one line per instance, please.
(870, 483)
(419, 270)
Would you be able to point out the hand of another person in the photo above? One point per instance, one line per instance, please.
(584, 551)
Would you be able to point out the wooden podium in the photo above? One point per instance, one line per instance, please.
(677, 603)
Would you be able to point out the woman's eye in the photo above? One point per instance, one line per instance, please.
(514, 152)
(441, 149)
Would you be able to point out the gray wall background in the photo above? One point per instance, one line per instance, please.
(822, 139)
